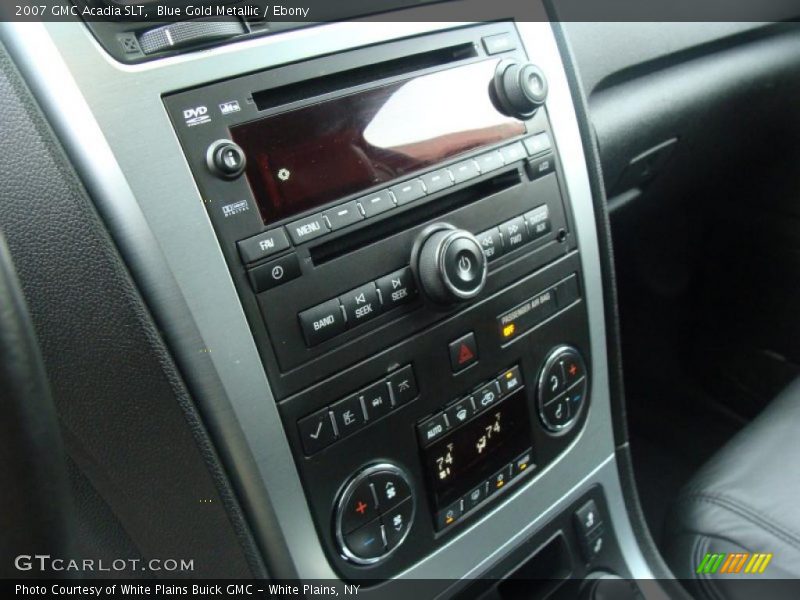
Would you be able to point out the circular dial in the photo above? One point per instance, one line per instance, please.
(449, 264)
(226, 159)
(561, 391)
(518, 89)
(374, 514)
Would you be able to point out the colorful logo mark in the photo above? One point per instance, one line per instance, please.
(734, 563)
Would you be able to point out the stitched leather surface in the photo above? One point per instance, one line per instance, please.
(744, 500)
(147, 481)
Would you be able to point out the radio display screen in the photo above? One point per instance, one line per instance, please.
(301, 159)
(477, 450)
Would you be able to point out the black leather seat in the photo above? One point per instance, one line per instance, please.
(746, 499)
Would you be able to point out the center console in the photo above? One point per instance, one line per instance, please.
(396, 224)
(372, 249)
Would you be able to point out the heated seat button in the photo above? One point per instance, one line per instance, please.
(403, 386)
(463, 352)
(397, 522)
(316, 431)
(367, 542)
(361, 304)
(492, 243)
(514, 233)
(322, 322)
(390, 489)
(348, 415)
(376, 400)
(587, 518)
(359, 507)
(397, 288)
(274, 273)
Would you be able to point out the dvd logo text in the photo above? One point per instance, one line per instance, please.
(196, 116)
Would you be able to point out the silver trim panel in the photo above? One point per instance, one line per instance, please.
(113, 124)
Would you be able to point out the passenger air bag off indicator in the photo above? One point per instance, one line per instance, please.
(527, 315)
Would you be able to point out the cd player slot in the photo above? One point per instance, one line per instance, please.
(294, 92)
(431, 210)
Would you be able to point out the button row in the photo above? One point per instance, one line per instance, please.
(362, 304)
(523, 317)
(463, 506)
(317, 225)
(512, 234)
(462, 410)
(322, 428)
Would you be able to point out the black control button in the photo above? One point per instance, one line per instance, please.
(538, 222)
(408, 191)
(593, 545)
(568, 291)
(367, 542)
(492, 243)
(403, 386)
(226, 159)
(451, 514)
(522, 463)
(359, 507)
(487, 395)
(514, 233)
(510, 381)
(513, 152)
(262, 245)
(397, 288)
(491, 161)
(322, 322)
(553, 381)
(437, 180)
(390, 489)
(572, 366)
(587, 518)
(432, 429)
(557, 414)
(361, 304)
(376, 400)
(307, 229)
(397, 522)
(501, 42)
(499, 479)
(460, 412)
(465, 264)
(274, 273)
(465, 170)
(537, 144)
(348, 415)
(539, 167)
(475, 497)
(344, 215)
(463, 352)
(377, 203)
(575, 396)
(316, 431)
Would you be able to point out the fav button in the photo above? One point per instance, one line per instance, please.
(262, 245)
(322, 322)
(361, 304)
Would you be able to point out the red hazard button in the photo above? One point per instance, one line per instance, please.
(463, 352)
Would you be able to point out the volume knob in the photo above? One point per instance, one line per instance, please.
(449, 264)
(518, 89)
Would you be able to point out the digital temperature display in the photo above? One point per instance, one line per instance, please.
(477, 450)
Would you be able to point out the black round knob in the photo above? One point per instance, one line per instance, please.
(518, 89)
(449, 264)
(226, 159)
(609, 586)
